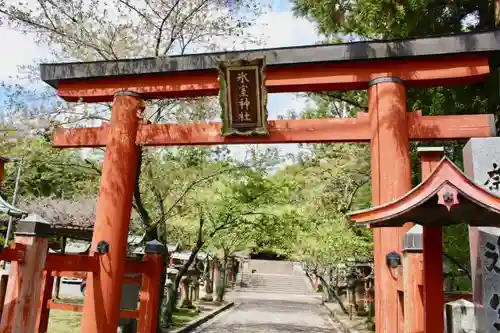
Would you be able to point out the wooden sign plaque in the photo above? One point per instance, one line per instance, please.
(243, 97)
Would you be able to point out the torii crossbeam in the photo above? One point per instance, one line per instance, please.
(420, 128)
(386, 69)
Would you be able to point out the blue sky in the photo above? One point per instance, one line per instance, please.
(279, 26)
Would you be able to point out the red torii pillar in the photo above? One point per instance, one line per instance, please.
(391, 178)
(101, 310)
(432, 239)
(423, 270)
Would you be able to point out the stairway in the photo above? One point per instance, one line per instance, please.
(269, 276)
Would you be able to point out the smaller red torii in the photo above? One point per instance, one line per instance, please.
(446, 196)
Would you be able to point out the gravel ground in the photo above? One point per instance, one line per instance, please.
(271, 313)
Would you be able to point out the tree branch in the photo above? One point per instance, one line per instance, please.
(189, 188)
(462, 267)
(160, 30)
(332, 292)
(54, 31)
(138, 12)
(348, 101)
(350, 201)
(186, 19)
(139, 205)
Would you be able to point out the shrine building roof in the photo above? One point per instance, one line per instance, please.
(449, 45)
(446, 197)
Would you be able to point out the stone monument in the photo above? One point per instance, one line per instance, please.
(482, 164)
(460, 317)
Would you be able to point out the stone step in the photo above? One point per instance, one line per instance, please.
(287, 292)
(274, 283)
(277, 288)
(271, 266)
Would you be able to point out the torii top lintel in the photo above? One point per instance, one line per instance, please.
(446, 197)
(430, 61)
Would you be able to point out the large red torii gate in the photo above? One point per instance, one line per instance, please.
(386, 69)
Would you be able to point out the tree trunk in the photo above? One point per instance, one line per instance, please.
(311, 281)
(333, 293)
(218, 281)
(208, 282)
(172, 301)
(186, 300)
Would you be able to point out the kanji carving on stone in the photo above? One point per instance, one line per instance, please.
(493, 255)
(493, 181)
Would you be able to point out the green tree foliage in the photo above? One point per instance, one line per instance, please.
(325, 182)
(391, 19)
(46, 172)
(329, 182)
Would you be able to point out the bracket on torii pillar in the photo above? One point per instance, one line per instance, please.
(447, 196)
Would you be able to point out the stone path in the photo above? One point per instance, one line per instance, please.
(271, 313)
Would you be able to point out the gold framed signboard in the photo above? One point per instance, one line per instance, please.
(243, 97)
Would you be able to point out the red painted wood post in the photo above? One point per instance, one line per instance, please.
(42, 322)
(412, 281)
(3, 160)
(433, 256)
(149, 294)
(391, 178)
(3, 277)
(25, 279)
(101, 309)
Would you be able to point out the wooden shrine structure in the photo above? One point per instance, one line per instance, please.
(446, 196)
(386, 68)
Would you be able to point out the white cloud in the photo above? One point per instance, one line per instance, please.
(19, 49)
(282, 29)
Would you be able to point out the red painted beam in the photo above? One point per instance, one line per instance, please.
(450, 297)
(452, 127)
(72, 263)
(136, 266)
(285, 131)
(80, 274)
(299, 78)
(15, 253)
(79, 308)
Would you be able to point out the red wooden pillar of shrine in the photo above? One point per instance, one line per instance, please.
(433, 256)
(101, 308)
(412, 281)
(21, 307)
(149, 294)
(391, 178)
(445, 197)
(3, 160)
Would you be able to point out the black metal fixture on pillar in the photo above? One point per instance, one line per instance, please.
(102, 247)
(393, 259)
